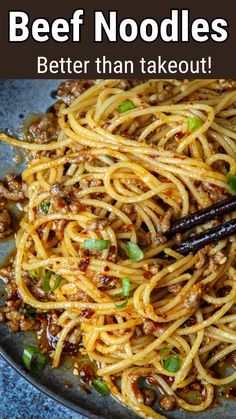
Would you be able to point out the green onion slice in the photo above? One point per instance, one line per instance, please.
(193, 123)
(134, 252)
(38, 274)
(119, 294)
(126, 106)
(126, 286)
(42, 272)
(27, 312)
(122, 304)
(100, 387)
(33, 359)
(170, 360)
(44, 207)
(96, 244)
(231, 181)
(33, 274)
(46, 283)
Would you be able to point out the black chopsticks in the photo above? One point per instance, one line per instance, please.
(198, 241)
(210, 213)
(213, 235)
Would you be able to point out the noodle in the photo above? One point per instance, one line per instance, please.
(131, 173)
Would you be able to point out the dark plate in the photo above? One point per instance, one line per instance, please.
(18, 100)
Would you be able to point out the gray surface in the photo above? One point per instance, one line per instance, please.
(24, 97)
(20, 400)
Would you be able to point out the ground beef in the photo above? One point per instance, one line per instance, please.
(3, 203)
(9, 312)
(87, 182)
(201, 260)
(59, 228)
(151, 327)
(227, 84)
(71, 89)
(82, 156)
(134, 126)
(127, 209)
(97, 224)
(214, 262)
(5, 224)
(126, 84)
(79, 296)
(148, 396)
(9, 280)
(214, 192)
(43, 129)
(53, 326)
(61, 191)
(12, 189)
(7, 275)
(160, 239)
(144, 239)
(15, 320)
(75, 336)
(166, 220)
(193, 297)
(87, 313)
(75, 207)
(219, 258)
(168, 403)
(175, 289)
(232, 358)
(59, 205)
(37, 289)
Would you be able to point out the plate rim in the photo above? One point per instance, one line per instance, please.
(44, 389)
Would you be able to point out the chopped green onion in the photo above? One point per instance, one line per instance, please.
(231, 181)
(101, 387)
(108, 157)
(42, 272)
(126, 286)
(126, 106)
(44, 207)
(96, 244)
(171, 361)
(134, 252)
(22, 310)
(119, 294)
(123, 304)
(46, 283)
(33, 359)
(33, 274)
(29, 312)
(38, 274)
(193, 123)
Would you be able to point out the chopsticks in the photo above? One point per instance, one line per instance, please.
(210, 213)
(198, 241)
(213, 235)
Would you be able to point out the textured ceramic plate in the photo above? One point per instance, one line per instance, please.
(18, 100)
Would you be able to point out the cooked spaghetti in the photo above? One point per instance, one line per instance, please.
(127, 160)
